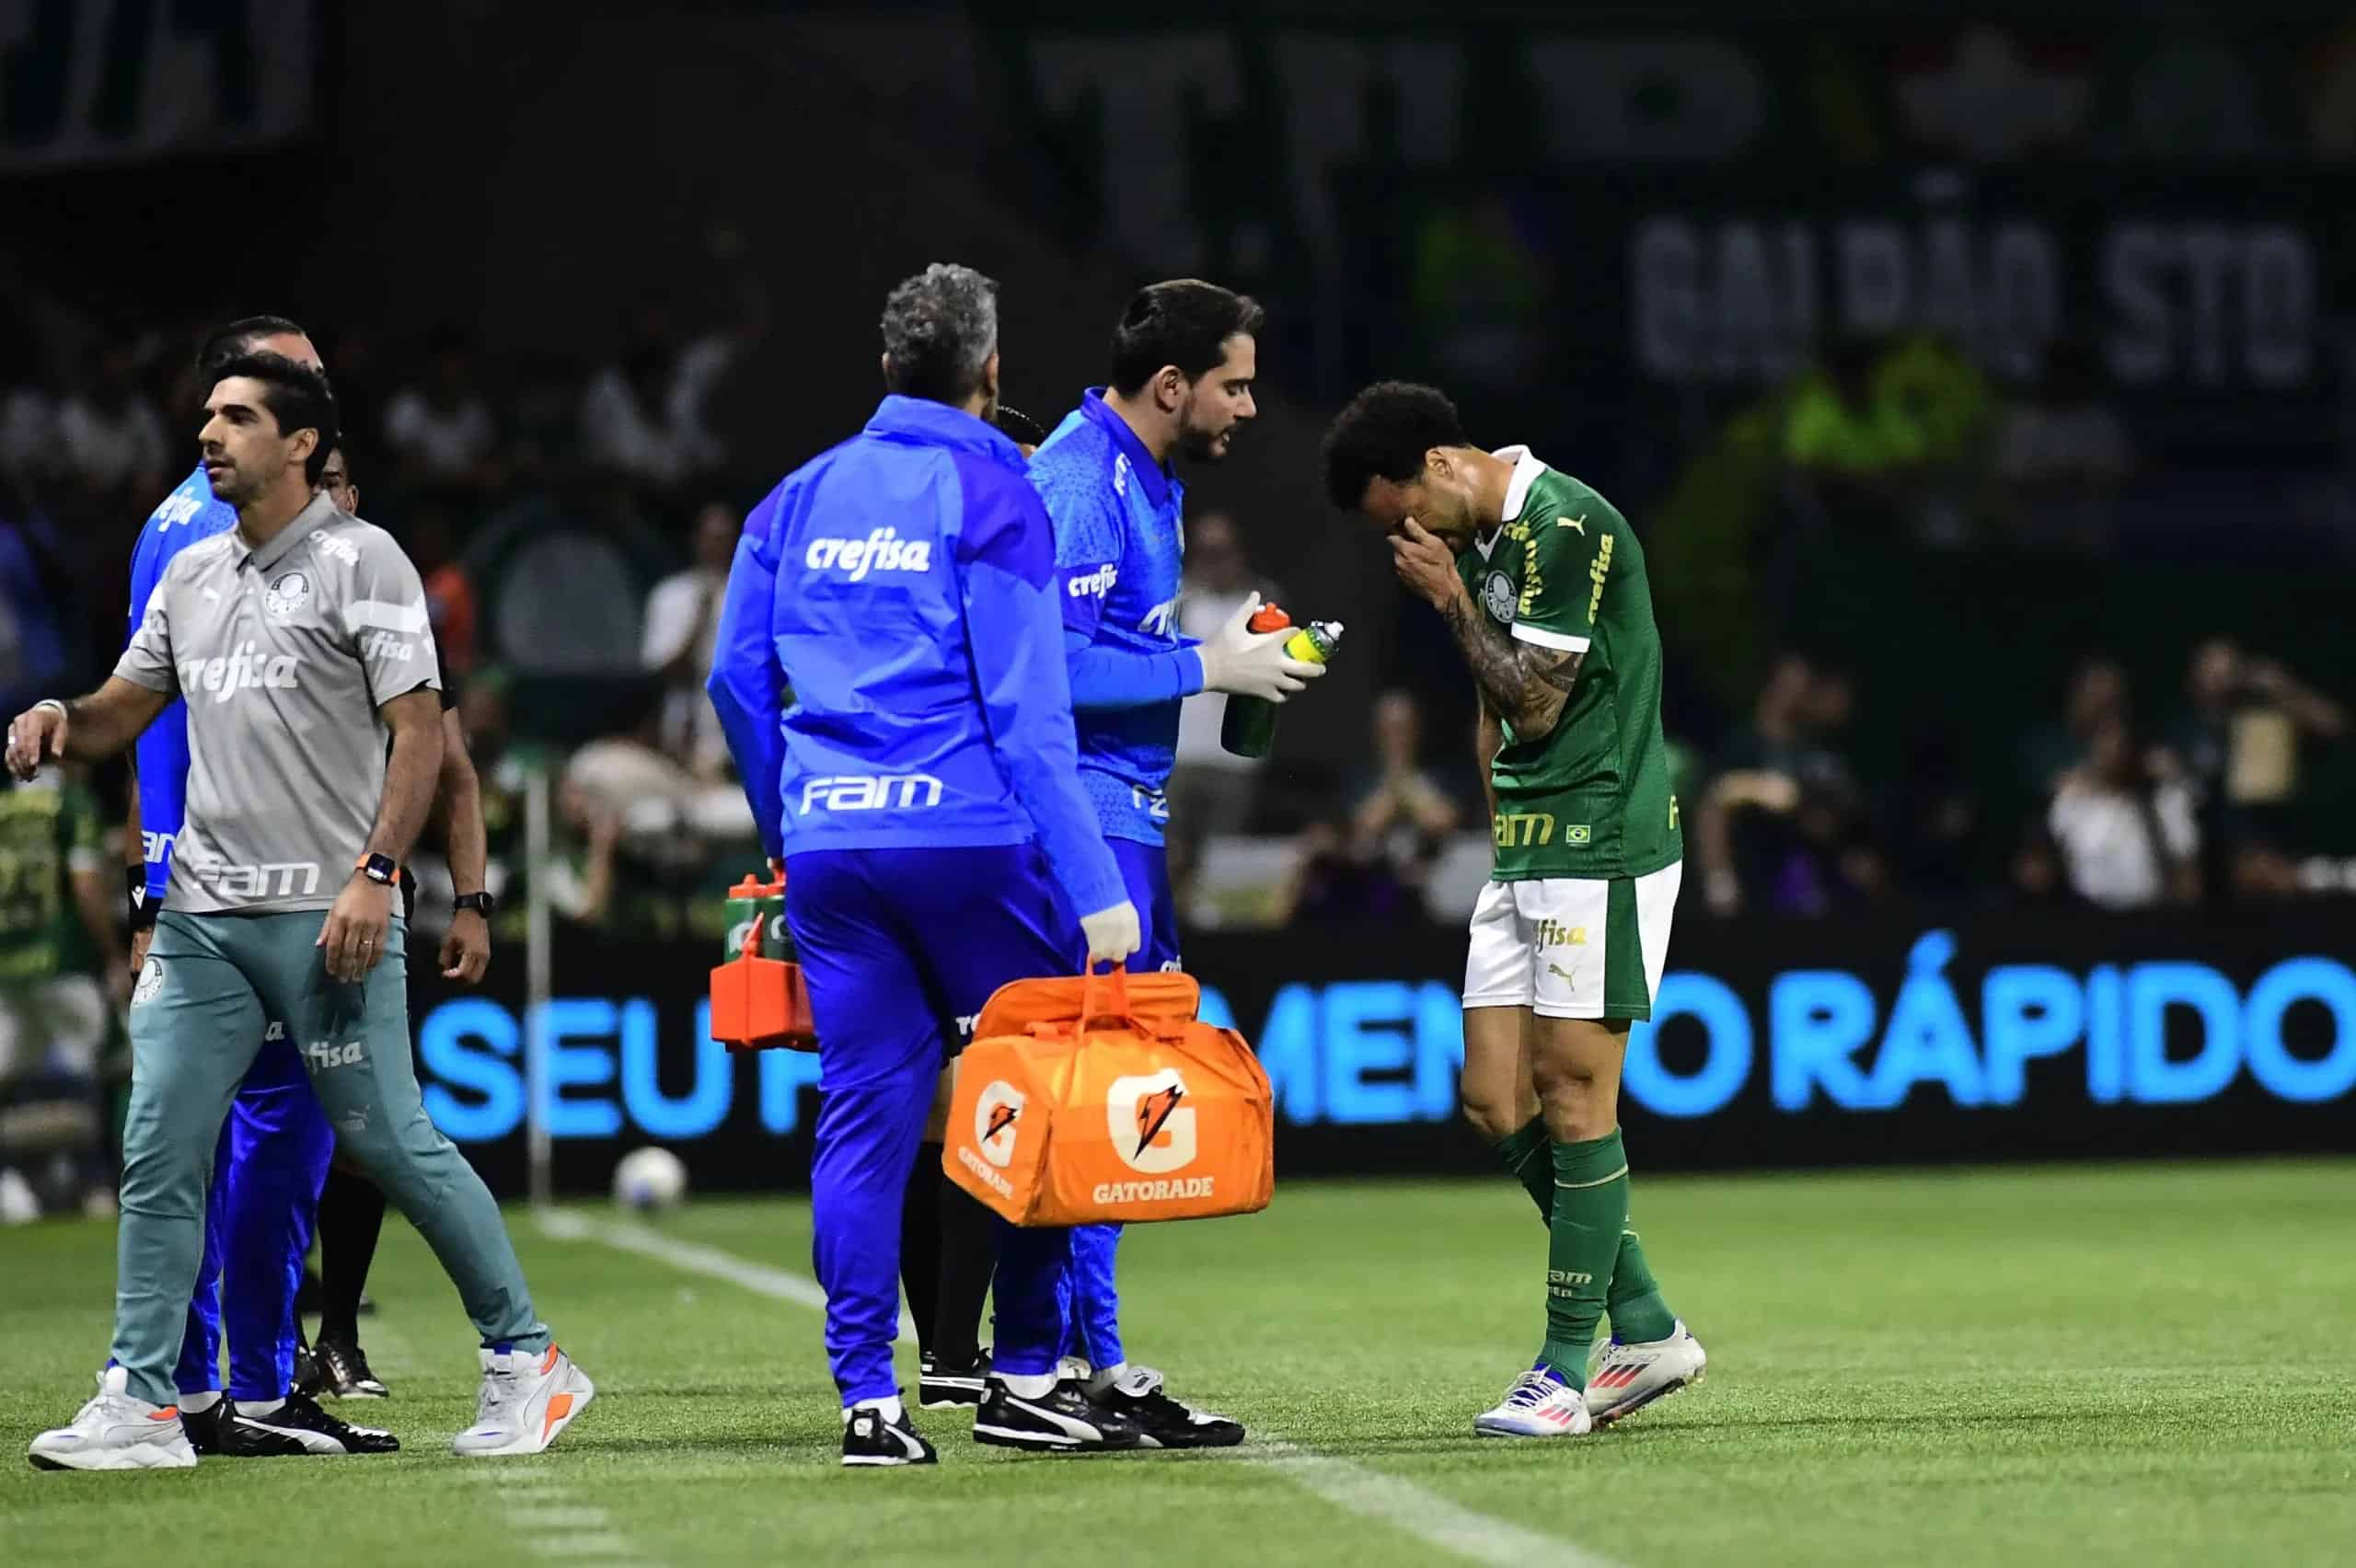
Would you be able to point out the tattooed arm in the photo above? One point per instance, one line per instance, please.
(1521, 683)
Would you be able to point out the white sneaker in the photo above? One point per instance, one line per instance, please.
(1537, 1405)
(1626, 1378)
(528, 1398)
(116, 1432)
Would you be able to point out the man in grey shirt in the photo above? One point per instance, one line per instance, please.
(299, 639)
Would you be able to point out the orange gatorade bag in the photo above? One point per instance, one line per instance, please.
(1102, 1097)
(758, 1000)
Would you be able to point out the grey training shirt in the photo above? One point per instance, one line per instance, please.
(284, 655)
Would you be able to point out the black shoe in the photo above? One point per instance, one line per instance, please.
(299, 1426)
(308, 1377)
(1063, 1421)
(204, 1426)
(1162, 1422)
(869, 1440)
(945, 1386)
(343, 1371)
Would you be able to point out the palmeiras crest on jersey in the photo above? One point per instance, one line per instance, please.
(286, 596)
(1498, 597)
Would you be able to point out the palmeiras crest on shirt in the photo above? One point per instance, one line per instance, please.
(287, 594)
(1497, 596)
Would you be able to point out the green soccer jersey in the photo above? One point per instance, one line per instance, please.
(1594, 797)
(47, 831)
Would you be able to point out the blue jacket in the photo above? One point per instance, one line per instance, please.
(1119, 541)
(899, 591)
(190, 515)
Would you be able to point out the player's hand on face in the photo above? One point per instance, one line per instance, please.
(35, 736)
(1424, 563)
(354, 933)
(1113, 933)
(466, 946)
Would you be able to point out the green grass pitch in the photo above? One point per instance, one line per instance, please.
(2132, 1365)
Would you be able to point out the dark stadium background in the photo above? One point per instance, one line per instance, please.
(2092, 263)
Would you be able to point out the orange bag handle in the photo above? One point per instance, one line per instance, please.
(1094, 987)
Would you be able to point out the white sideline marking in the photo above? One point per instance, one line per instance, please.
(541, 1516)
(583, 1545)
(647, 1242)
(1410, 1509)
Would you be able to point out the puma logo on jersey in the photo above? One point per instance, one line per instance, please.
(1158, 619)
(1579, 522)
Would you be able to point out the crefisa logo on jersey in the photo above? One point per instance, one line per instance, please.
(1497, 596)
(882, 550)
(289, 594)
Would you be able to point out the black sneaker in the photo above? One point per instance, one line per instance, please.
(947, 1385)
(298, 1426)
(343, 1371)
(307, 1377)
(204, 1426)
(868, 1439)
(1062, 1420)
(1162, 1422)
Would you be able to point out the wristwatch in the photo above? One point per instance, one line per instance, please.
(382, 870)
(481, 904)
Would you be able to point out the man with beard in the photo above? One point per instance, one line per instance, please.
(1183, 360)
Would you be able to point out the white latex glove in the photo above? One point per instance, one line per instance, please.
(1253, 663)
(1113, 933)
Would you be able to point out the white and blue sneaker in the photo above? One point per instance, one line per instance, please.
(526, 1399)
(1627, 1377)
(1540, 1404)
(116, 1431)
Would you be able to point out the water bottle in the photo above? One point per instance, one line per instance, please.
(1250, 727)
(762, 899)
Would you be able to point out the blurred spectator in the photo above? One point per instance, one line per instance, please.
(27, 433)
(2127, 839)
(643, 416)
(2061, 455)
(449, 588)
(57, 936)
(1212, 791)
(1404, 817)
(1334, 881)
(682, 615)
(112, 437)
(1781, 825)
(441, 425)
(2237, 747)
(581, 855)
(2034, 879)
(2096, 696)
(2237, 741)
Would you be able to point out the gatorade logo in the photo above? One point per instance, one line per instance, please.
(998, 1114)
(1151, 1125)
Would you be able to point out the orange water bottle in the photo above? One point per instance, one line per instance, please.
(1250, 727)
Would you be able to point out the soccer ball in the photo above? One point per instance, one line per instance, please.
(650, 1179)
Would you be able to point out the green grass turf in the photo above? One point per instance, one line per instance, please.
(2136, 1365)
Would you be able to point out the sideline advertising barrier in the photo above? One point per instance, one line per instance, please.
(1776, 1042)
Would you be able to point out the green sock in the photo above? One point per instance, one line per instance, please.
(1529, 1154)
(1638, 1313)
(1591, 1211)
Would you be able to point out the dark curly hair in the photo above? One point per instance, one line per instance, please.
(1384, 433)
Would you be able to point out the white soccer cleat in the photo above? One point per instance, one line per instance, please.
(1626, 1378)
(527, 1399)
(1539, 1404)
(116, 1432)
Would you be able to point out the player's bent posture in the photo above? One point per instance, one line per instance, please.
(1184, 356)
(923, 792)
(299, 639)
(1543, 584)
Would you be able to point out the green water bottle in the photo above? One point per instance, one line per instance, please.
(1250, 727)
(762, 899)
